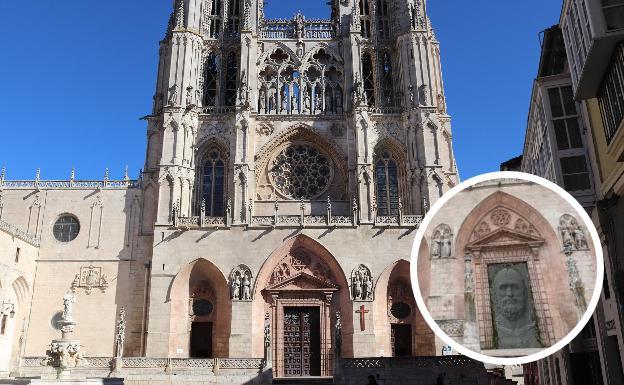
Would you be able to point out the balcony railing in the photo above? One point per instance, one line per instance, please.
(297, 29)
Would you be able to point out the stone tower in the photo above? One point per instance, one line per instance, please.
(365, 87)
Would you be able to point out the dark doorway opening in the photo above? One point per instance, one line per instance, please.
(302, 341)
(201, 340)
(401, 339)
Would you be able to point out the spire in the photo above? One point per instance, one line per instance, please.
(179, 14)
(126, 177)
(2, 174)
(72, 177)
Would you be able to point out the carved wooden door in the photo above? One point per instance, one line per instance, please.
(301, 348)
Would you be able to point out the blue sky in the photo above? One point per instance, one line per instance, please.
(78, 75)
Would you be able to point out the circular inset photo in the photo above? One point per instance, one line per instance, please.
(507, 268)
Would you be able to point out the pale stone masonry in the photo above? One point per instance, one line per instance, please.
(288, 164)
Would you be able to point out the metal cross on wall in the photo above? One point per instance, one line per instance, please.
(362, 312)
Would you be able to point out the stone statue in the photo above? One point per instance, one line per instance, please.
(293, 103)
(568, 241)
(189, 96)
(307, 102)
(328, 101)
(579, 238)
(173, 95)
(338, 334)
(246, 288)
(236, 284)
(412, 96)
(120, 337)
(514, 321)
(262, 98)
(284, 100)
(358, 89)
(446, 246)
(272, 100)
(357, 286)
(299, 26)
(423, 95)
(69, 299)
(435, 246)
(369, 288)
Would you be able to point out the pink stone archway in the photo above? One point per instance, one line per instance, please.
(547, 265)
(423, 339)
(331, 297)
(191, 276)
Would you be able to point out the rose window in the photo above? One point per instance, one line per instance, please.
(300, 171)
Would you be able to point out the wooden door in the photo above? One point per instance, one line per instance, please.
(302, 342)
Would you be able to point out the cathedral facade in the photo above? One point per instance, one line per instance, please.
(288, 165)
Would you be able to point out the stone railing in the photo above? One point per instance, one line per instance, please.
(165, 364)
(287, 29)
(19, 233)
(410, 362)
(69, 184)
(218, 110)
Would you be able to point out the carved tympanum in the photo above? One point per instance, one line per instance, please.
(361, 284)
(300, 261)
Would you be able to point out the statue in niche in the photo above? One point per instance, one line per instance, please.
(513, 309)
(246, 287)
(173, 95)
(339, 103)
(358, 89)
(441, 242)
(294, 103)
(241, 281)
(69, 299)
(267, 330)
(189, 96)
(284, 100)
(579, 238)
(272, 100)
(423, 92)
(328, 100)
(300, 50)
(262, 98)
(568, 241)
(307, 102)
(299, 26)
(362, 284)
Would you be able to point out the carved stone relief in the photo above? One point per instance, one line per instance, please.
(90, 277)
(361, 284)
(501, 217)
(300, 261)
(241, 284)
(442, 241)
(452, 328)
(573, 235)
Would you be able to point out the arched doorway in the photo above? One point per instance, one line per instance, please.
(401, 330)
(304, 295)
(201, 311)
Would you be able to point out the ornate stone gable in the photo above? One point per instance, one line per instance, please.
(503, 218)
(300, 262)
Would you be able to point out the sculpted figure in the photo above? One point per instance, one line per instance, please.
(173, 95)
(446, 246)
(435, 246)
(293, 103)
(369, 289)
(568, 241)
(357, 286)
(262, 98)
(579, 238)
(328, 101)
(246, 288)
(236, 284)
(69, 299)
(513, 319)
(284, 100)
(306, 101)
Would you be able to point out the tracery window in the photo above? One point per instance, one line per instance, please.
(368, 78)
(213, 20)
(66, 228)
(383, 20)
(231, 79)
(386, 80)
(387, 185)
(301, 171)
(213, 183)
(211, 73)
(233, 20)
(365, 18)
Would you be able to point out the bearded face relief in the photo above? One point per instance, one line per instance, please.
(512, 307)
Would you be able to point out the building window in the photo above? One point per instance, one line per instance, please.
(365, 23)
(66, 228)
(368, 78)
(575, 173)
(233, 20)
(383, 20)
(17, 255)
(386, 80)
(301, 171)
(565, 118)
(611, 94)
(613, 13)
(387, 183)
(211, 73)
(231, 79)
(213, 184)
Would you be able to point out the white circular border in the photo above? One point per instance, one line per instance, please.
(542, 353)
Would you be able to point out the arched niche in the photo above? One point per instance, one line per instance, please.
(400, 329)
(200, 304)
(302, 274)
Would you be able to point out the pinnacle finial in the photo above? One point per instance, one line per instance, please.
(38, 175)
(2, 173)
(106, 174)
(179, 14)
(126, 177)
(72, 176)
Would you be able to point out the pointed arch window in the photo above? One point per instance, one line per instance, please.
(387, 185)
(386, 80)
(231, 79)
(365, 18)
(383, 20)
(368, 78)
(213, 183)
(211, 73)
(214, 20)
